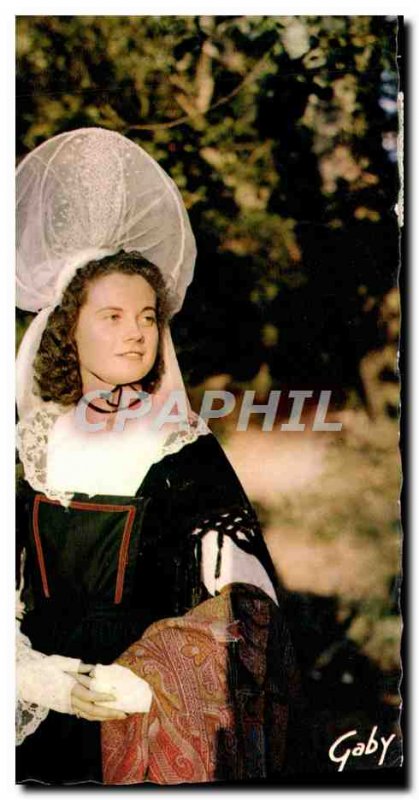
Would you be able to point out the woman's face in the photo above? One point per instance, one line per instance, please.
(116, 332)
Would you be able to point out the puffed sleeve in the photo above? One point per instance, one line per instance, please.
(221, 535)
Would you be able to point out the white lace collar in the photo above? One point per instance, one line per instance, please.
(60, 460)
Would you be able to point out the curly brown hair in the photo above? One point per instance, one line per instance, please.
(56, 365)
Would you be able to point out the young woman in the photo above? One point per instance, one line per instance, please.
(152, 643)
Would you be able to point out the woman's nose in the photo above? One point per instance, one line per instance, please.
(134, 330)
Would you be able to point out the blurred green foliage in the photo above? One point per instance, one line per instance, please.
(281, 133)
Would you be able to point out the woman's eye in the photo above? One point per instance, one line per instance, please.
(113, 316)
(149, 320)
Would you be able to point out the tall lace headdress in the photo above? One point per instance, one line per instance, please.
(80, 196)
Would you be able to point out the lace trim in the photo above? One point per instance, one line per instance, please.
(32, 444)
(28, 715)
(178, 439)
(28, 718)
(40, 679)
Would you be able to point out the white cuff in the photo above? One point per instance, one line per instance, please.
(65, 663)
(40, 679)
(43, 683)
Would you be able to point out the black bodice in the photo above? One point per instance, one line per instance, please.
(101, 570)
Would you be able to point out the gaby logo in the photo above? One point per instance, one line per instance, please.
(340, 754)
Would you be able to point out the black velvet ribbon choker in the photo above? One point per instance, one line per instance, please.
(115, 406)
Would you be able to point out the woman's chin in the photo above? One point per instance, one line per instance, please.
(122, 377)
(128, 377)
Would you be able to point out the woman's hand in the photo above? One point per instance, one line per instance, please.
(85, 702)
(132, 694)
(85, 668)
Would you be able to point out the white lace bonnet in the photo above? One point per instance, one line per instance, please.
(80, 196)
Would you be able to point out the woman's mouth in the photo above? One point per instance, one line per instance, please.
(134, 355)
